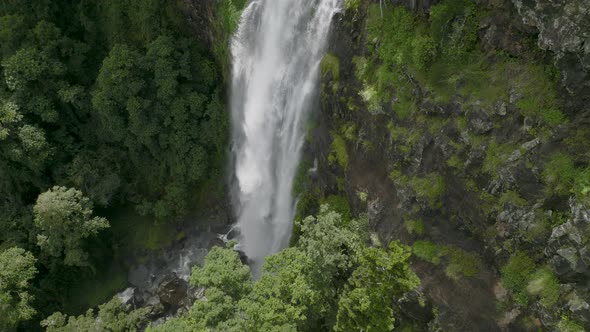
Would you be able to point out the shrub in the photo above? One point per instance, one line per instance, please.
(496, 156)
(462, 263)
(568, 325)
(403, 40)
(427, 251)
(330, 64)
(511, 197)
(544, 283)
(582, 183)
(339, 152)
(429, 188)
(454, 27)
(559, 174)
(516, 274)
(340, 205)
(414, 226)
(352, 4)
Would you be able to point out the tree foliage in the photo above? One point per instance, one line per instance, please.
(116, 99)
(17, 269)
(329, 279)
(111, 317)
(64, 218)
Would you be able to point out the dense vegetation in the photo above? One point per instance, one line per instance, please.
(102, 104)
(110, 104)
(329, 280)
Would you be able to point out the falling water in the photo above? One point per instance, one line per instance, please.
(276, 54)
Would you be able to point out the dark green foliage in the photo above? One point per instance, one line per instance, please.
(114, 99)
(403, 40)
(366, 305)
(111, 317)
(17, 269)
(454, 27)
(170, 125)
(64, 218)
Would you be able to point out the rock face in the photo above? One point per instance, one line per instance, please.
(173, 291)
(564, 28)
(492, 159)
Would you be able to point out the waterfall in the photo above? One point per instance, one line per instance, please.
(276, 53)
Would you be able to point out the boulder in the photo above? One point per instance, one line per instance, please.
(172, 291)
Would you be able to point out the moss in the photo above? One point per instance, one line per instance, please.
(330, 65)
(427, 251)
(582, 184)
(339, 204)
(544, 284)
(568, 325)
(339, 153)
(352, 4)
(405, 107)
(455, 162)
(340, 183)
(414, 227)
(539, 230)
(454, 27)
(371, 98)
(511, 197)
(515, 276)
(559, 174)
(496, 156)
(404, 40)
(530, 107)
(301, 177)
(398, 177)
(363, 196)
(537, 84)
(462, 263)
(348, 131)
(429, 188)
(435, 125)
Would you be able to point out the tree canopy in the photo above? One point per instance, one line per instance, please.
(330, 280)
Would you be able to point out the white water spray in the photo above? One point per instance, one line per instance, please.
(276, 54)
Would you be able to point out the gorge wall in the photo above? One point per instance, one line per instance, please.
(470, 145)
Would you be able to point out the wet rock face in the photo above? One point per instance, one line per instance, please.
(173, 291)
(564, 28)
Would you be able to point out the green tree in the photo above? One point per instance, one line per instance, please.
(111, 317)
(64, 218)
(224, 270)
(368, 304)
(17, 269)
